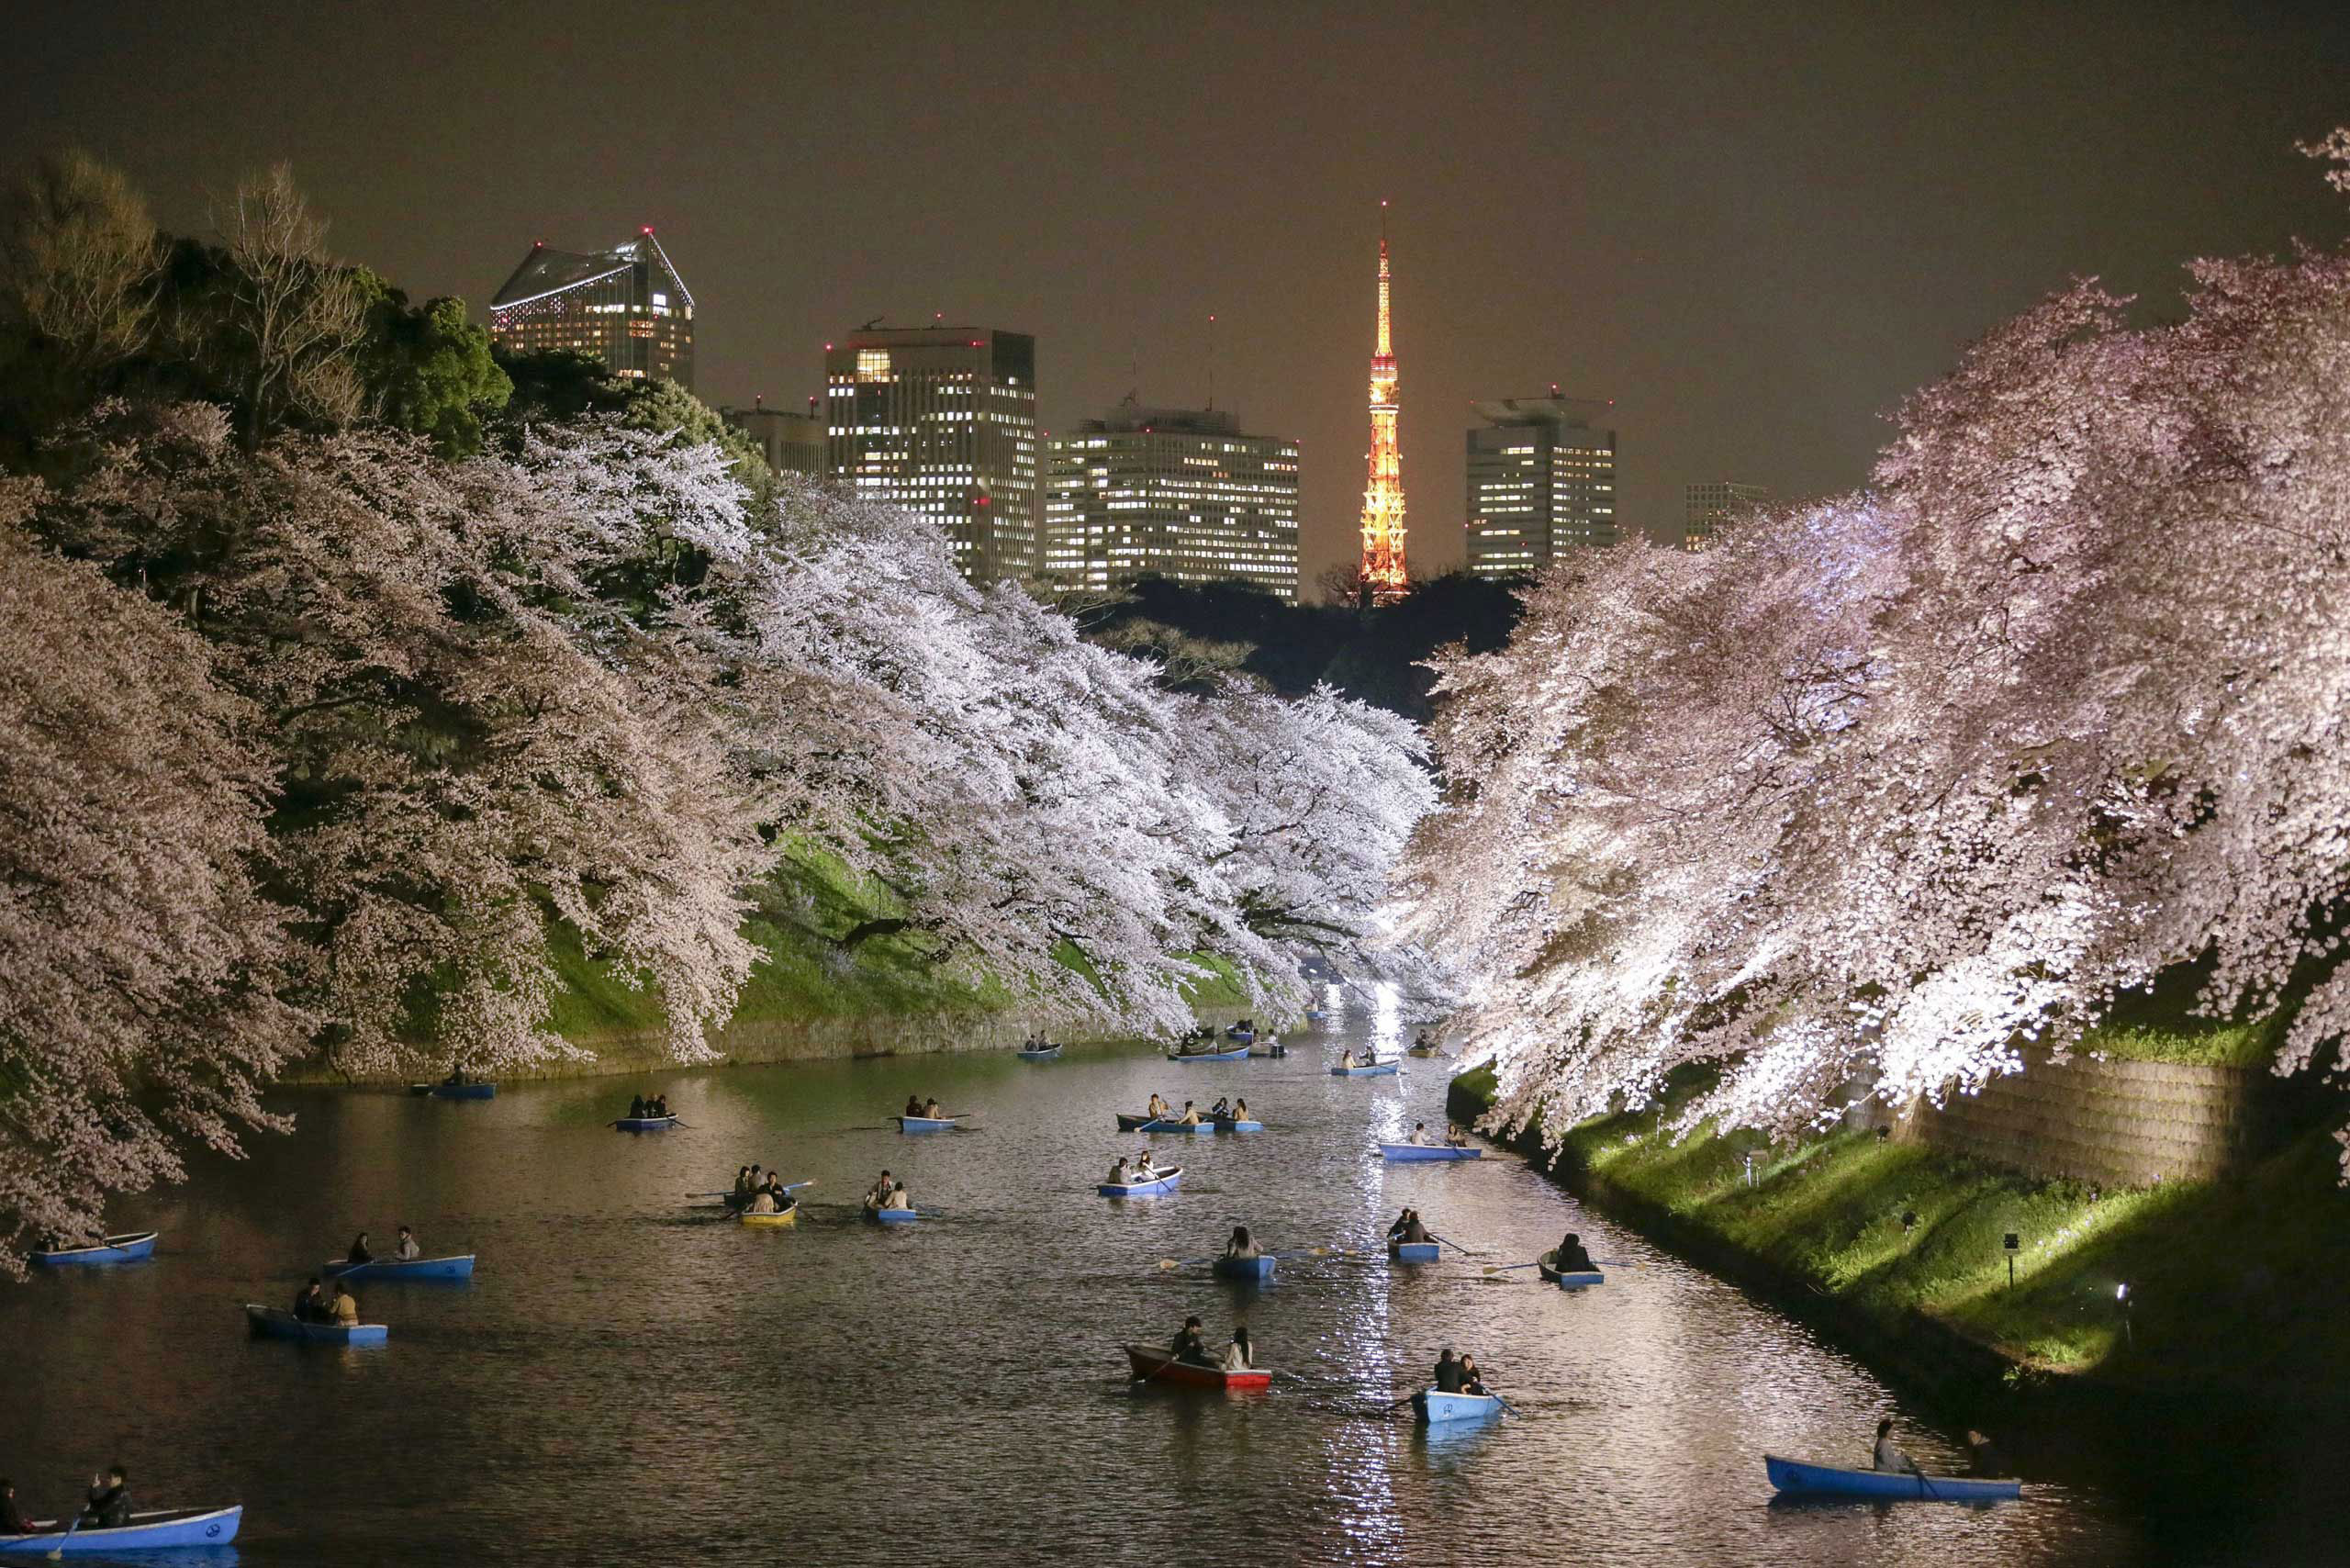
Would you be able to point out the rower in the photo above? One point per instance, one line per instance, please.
(1419, 1133)
(1189, 1118)
(636, 1110)
(1159, 1107)
(913, 1107)
(407, 1251)
(1118, 1173)
(109, 1505)
(311, 1303)
(359, 1253)
(1449, 1377)
(1571, 1258)
(1242, 1244)
(1408, 1228)
(346, 1307)
(933, 1111)
(1190, 1348)
(741, 1181)
(1239, 1356)
(1887, 1456)
(882, 1190)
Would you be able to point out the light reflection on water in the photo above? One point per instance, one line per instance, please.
(630, 1379)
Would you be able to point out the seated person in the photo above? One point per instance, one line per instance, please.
(1984, 1456)
(1346, 1058)
(1190, 1348)
(779, 1192)
(636, 1107)
(742, 1180)
(1158, 1107)
(1408, 1228)
(109, 1505)
(897, 1199)
(1242, 1244)
(762, 1201)
(1189, 1118)
(311, 1303)
(1240, 1110)
(1571, 1258)
(1118, 1173)
(882, 1190)
(913, 1106)
(1239, 1356)
(933, 1110)
(1454, 1138)
(359, 1253)
(407, 1251)
(1220, 1110)
(346, 1307)
(1419, 1133)
(1143, 1170)
(1887, 1456)
(1450, 1378)
(12, 1518)
(1471, 1381)
(661, 1104)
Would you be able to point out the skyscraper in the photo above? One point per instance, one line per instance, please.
(943, 421)
(794, 443)
(1176, 493)
(1713, 503)
(1541, 480)
(626, 305)
(1383, 497)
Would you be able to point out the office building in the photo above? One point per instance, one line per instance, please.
(1177, 493)
(626, 305)
(794, 443)
(1541, 481)
(1713, 503)
(943, 421)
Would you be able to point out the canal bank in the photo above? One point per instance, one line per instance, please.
(2175, 1299)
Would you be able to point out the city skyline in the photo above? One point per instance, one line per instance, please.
(1756, 236)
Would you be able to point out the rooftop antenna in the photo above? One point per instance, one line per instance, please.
(1211, 364)
(875, 322)
(1133, 371)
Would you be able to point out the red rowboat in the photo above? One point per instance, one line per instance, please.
(1156, 1365)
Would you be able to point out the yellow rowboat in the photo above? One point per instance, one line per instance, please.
(788, 1217)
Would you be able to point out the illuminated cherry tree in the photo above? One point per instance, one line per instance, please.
(1885, 788)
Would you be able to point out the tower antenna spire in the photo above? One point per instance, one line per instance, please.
(1210, 362)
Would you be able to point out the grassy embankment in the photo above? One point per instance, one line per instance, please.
(2234, 1283)
(804, 972)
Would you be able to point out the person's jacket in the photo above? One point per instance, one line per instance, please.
(1190, 1346)
(1890, 1458)
(1575, 1263)
(12, 1518)
(346, 1309)
(1449, 1379)
(359, 1255)
(109, 1507)
(636, 1107)
(310, 1306)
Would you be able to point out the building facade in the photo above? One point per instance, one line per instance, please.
(1713, 503)
(1176, 493)
(943, 421)
(794, 443)
(1541, 480)
(626, 305)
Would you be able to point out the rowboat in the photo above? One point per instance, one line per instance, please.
(1047, 1054)
(891, 1216)
(126, 1249)
(1573, 1281)
(1177, 1125)
(1414, 1251)
(1235, 1124)
(1274, 1052)
(1258, 1268)
(276, 1323)
(1407, 1151)
(455, 1090)
(771, 1221)
(1162, 1182)
(1237, 1033)
(456, 1267)
(1313, 1014)
(1797, 1479)
(644, 1123)
(1373, 1070)
(1239, 1053)
(1138, 1124)
(1433, 1408)
(158, 1530)
(927, 1124)
(1423, 1052)
(1155, 1366)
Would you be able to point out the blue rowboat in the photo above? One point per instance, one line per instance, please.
(1579, 1281)
(127, 1248)
(1407, 1151)
(891, 1216)
(1237, 1033)
(1434, 1408)
(644, 1123)
(1414, 1251)
(1797, 1479)
(1373, 1070)
(1239, 1053)
(1233, 1124)
(1162, 1182)
(1138, 1124)
(159, 1529)
(1315, 1014)
(1258, 1268)
(276, 1323)
(1047, 1054)
(455, 1090)
(927, 1124)
(459, 1268)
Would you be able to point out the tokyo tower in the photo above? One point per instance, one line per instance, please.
(1383, 497)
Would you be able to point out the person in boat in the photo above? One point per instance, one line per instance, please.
(1190, 1117)
(741, 1181)
(1118, 1177)
(1190, 1347)
(1408, 1228)
(12, 1518)
(660, 1104)
(311, 1303)
(1449, 1377)
(1453, 1136)
(636, 1110)
(1242, 1244)
(778, 1193)
(1571, 1258)
(1472, 1380)
(763, 1201)
(1887, 1456)
(1143, 1170)
(1984, 1458)
(933, 1110)
(407, 1251)
(1346, 1058)
(359, 1253)
(913, 1107)
(1239, 1356)
(898, 1198)
(1159, 1106)
(1220, 1110)
(346, 1307)
(1419, 1133)
(882, 1190)
(110, 1504)
(1239, 1111)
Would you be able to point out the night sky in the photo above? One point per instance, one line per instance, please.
(1754, 228)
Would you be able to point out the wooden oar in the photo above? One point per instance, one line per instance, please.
(1506, 1268)
(57, 1552)
(1507, 1408)
(1455, 1245)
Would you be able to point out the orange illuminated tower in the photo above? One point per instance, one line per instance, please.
(1382, 497)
